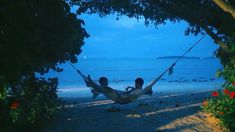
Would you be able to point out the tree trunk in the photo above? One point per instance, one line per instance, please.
(225, 6)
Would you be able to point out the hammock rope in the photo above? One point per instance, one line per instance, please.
(127, 99)
(174, 63)
(168, 69)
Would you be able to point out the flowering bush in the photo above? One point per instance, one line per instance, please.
(30, 106)
(222, 105)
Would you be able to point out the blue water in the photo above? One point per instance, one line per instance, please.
(189, 74)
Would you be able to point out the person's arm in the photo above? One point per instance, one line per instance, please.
(129, 88)
(85, 78)
(88, 80)
(91, 83)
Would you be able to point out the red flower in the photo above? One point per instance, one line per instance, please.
(15, 105)
(226, 91)
(232, 95)
(215, 94)
(233, 83)
(205, 103)
(221, 113)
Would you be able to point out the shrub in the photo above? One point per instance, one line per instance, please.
(222, 105)
(29, 104)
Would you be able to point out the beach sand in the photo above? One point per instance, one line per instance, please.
(160, 112)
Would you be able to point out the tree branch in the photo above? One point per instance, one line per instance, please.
(225, 6)
(216, 39)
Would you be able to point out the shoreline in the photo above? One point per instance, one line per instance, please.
(166, 88)
(160, 112)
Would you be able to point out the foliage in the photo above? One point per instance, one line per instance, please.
(34, 103)
(222, 106)
(39, 36)
(202, 15)
(35, 36)
(227, 58)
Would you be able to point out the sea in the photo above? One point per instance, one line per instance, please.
(190, 74)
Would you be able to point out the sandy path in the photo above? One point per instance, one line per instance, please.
(174, 112)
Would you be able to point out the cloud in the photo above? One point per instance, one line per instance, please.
(111, 37)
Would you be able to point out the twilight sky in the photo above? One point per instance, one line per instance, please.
(129, 38)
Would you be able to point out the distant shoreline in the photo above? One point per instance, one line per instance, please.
(83, 91)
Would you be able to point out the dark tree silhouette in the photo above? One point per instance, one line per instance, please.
(35, 36)
(200, 14)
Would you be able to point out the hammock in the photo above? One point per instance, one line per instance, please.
(122, 97)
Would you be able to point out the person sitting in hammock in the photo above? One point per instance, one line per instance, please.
(120, 97)
(104, 83)
(138, 85)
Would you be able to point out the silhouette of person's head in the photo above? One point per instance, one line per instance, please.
(103, 81)
(139, 83)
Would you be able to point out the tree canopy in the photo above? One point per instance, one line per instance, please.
(37, 35)
(200, 14)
